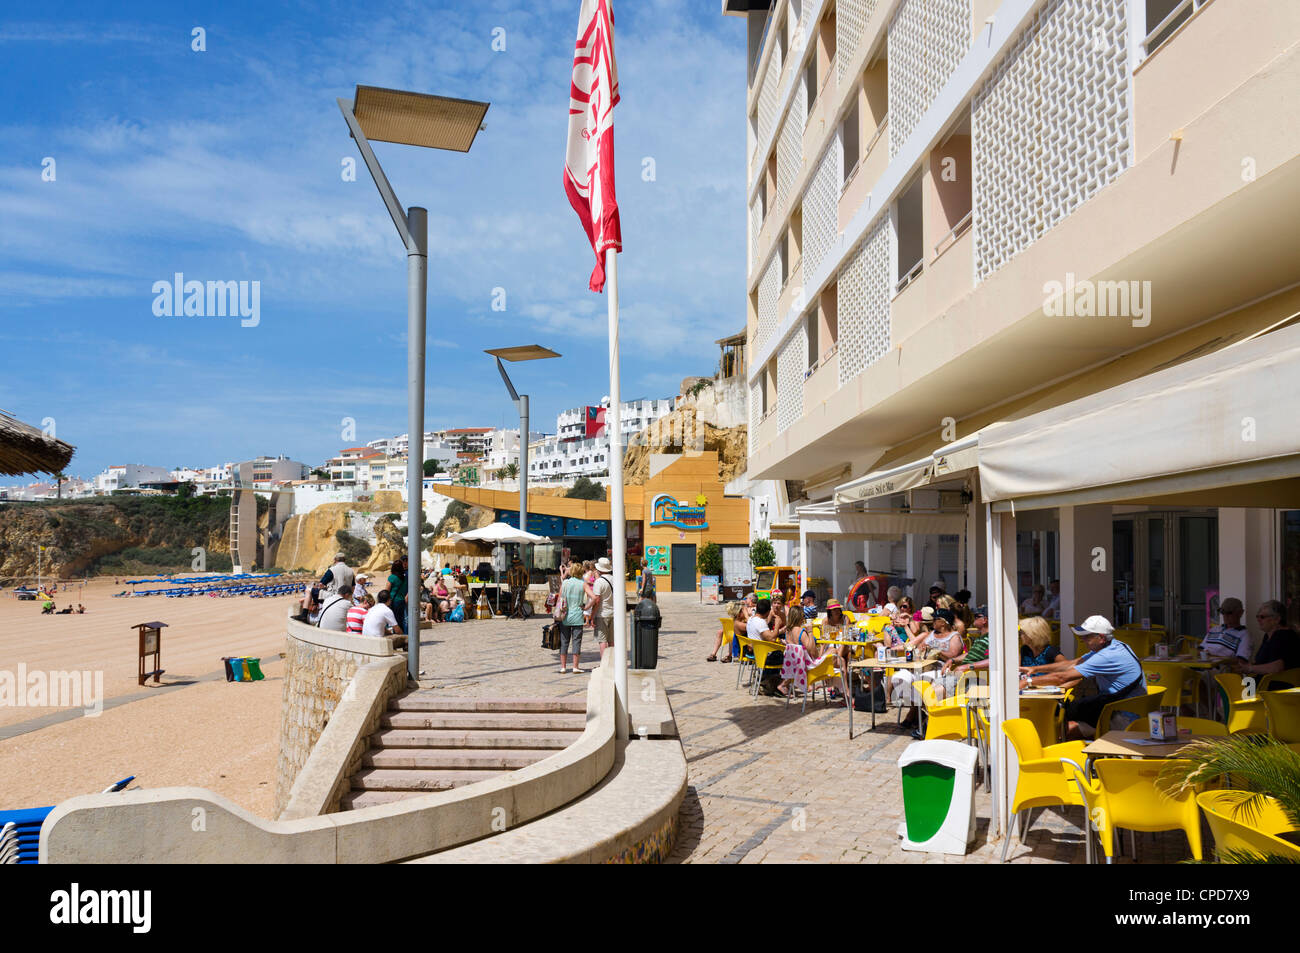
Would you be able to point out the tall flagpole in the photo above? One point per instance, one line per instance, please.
(617, 529)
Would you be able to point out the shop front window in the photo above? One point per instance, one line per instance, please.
(1291, 565)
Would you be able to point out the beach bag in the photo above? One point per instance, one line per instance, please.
(561, 608)
(875, 701)
(551, 636)
(457, 614)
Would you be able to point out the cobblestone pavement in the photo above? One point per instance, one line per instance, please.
(767, 782)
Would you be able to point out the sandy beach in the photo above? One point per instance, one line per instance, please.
(209, 733)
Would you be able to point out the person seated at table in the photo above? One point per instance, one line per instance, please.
(975, 657)
(965, 614)
(892, 595)
(948, 603)
(1229, 639)
(779, 617)
(1117, 670)
(938, 639)
(800, 654)
(1280, 648)
(1036, 647)
(808, 603)
(1036, 602)
(739, 612)
(758, 627)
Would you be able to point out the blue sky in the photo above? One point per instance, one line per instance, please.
(226, 165)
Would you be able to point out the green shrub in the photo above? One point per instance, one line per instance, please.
(355, 551)
(709, 560)
(762, 553)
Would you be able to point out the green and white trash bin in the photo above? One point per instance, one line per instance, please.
(938, 796)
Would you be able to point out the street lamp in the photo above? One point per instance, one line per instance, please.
(528, 352)
(433, 122)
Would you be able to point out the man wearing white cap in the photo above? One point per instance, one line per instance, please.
(1114, 666)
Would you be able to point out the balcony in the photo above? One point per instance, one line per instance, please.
(766, 428)
(820, 116)
(932, 291)
(822, 380)
(793, 286)
(864, 178)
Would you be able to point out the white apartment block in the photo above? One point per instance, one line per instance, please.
(563, 461)
(129, 476)
(963, 213)
(635, 416)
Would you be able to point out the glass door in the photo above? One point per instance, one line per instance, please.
(1198, 572)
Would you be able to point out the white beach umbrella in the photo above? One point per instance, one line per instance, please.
(500, 533)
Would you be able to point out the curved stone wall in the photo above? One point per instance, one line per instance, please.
(319, 666)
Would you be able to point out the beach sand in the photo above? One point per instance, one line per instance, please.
(211, 733)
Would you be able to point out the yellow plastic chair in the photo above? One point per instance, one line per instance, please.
(823, 672)
(1138, 705)
(1233, 831)
(1197, 726)
(761, 650)
(1244, 714)
(1124, 796)
(1042, 780)
(1283, 710)
(1289, 677)
(1175, 680)
(1139, 640)
(943, 719)
(1044, 711)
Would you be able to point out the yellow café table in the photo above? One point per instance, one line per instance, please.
(871, 666)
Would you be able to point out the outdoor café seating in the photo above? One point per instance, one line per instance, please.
(1238, 832)
(1041, 780)
(1124, 796)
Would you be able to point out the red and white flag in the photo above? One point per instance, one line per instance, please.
(589, 162)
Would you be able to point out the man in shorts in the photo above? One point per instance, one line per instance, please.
(600, 608)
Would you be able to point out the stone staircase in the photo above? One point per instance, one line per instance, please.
(429, 743)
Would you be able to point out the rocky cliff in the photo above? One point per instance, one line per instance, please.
(78, 536)
(309, 541)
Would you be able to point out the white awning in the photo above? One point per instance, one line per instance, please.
(1220, 430)
(870, 525)
(885, 482)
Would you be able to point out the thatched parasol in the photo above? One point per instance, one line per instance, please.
(24, 449)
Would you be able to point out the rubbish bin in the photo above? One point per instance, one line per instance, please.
(938, 796)
(645, 634)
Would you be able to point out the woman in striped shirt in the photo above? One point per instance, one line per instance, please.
(357, 614)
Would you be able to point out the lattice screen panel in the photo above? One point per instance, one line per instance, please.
(851, 18)
(790, 365)
(1051, 126)
(755, 411)
(769, 289)
(755, 224)
(789, 153)
(821, 210)
(927, 39)
(863, 303)
(768, 103)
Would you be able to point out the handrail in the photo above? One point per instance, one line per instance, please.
(912, 272)
(880, 128)
(957, 231)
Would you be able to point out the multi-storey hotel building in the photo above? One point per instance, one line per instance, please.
(1022, 280)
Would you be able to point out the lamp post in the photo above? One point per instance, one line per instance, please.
(433, 122)
(528, 352)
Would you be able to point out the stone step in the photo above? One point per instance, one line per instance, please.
(439, 759)
(355, 800)
(455, 738)
(431, 701)
(419, 779)
(493, 721)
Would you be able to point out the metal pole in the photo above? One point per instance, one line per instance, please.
(616, 524)
(523, 464)
(417, 286)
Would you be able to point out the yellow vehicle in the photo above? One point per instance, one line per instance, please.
(782, 579)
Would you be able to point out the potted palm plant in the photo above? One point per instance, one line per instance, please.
(1260, 773)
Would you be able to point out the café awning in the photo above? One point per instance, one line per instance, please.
(1216, 431)
(944, 463)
